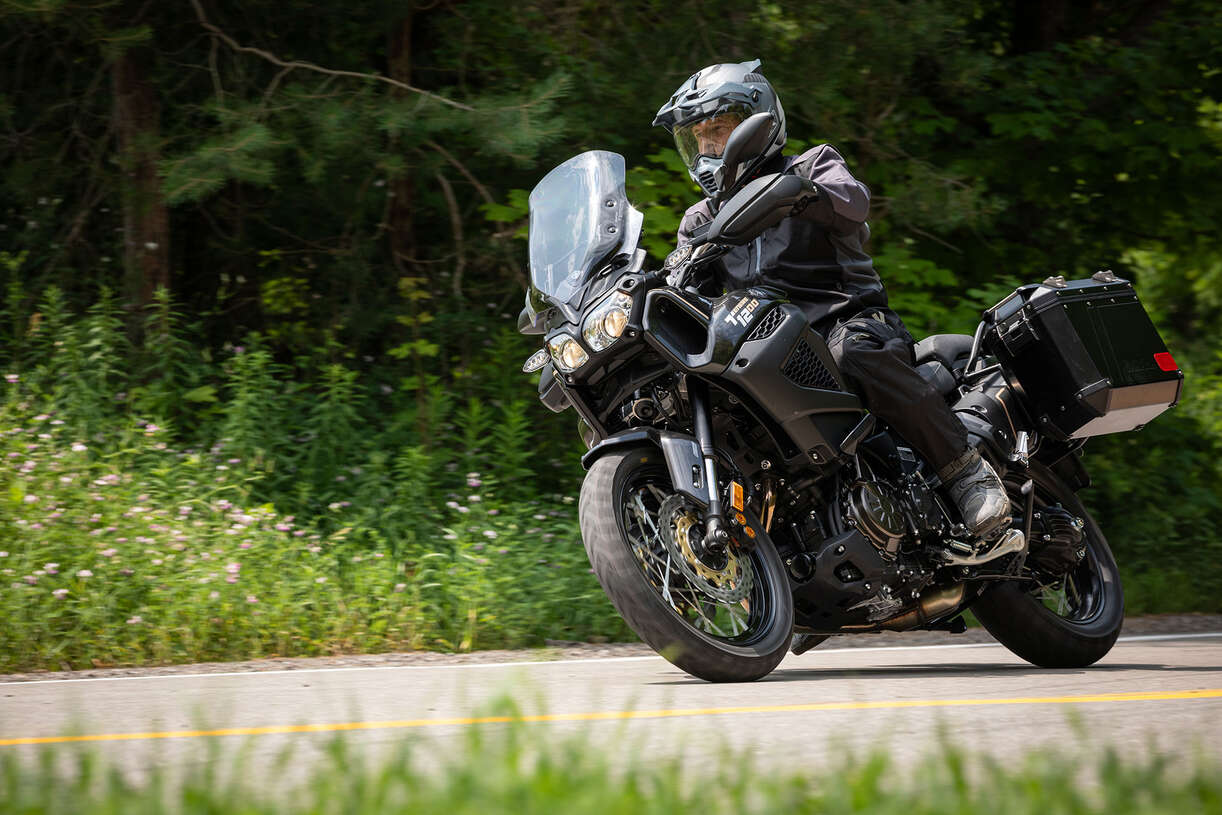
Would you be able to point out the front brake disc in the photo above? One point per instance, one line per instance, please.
(679, 521)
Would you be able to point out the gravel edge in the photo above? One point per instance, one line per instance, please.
(559, 650)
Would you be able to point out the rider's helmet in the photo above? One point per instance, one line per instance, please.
(707, 107)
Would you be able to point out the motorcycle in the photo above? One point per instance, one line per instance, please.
(737, 492)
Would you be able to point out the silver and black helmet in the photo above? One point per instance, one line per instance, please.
(707, 107)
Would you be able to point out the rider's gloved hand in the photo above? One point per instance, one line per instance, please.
(810, 194)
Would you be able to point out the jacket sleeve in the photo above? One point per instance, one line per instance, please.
(844, 202)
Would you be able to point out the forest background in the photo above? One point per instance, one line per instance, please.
(262, 262)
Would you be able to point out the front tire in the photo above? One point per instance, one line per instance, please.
(1076, 628)
(688, 628)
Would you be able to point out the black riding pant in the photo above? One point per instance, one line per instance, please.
(874, 353)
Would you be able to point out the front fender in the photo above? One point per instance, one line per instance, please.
(681, 451)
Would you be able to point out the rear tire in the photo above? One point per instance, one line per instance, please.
(637, 595)
(1022, 622)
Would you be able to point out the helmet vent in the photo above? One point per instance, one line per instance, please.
(707, 181)
(753, 77)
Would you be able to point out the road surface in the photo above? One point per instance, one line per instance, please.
(1150, 693)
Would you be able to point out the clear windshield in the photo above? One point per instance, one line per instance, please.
(578, 216)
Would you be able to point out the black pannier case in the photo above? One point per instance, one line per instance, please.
(1085, 354)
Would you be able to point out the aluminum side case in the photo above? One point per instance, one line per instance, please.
(1085, 355)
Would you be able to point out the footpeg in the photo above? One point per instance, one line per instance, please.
(1010, 542)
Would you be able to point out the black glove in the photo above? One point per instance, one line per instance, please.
(810, 196)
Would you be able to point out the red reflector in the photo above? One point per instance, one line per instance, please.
(1166, 362)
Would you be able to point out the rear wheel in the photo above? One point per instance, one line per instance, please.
(1059, 621)
(725, 622)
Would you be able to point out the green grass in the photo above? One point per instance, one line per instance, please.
(129, 551)
(528, 769)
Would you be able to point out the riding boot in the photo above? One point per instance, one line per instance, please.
(973, 485)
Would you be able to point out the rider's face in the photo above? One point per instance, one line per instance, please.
(712, 134)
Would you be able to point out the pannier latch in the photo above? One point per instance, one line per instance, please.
(1019, 333)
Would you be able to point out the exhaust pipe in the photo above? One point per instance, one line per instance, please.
(932, 604)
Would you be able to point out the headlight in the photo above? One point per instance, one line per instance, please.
(606, 322)
(567, 352)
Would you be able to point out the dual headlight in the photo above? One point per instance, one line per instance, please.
(603, 326)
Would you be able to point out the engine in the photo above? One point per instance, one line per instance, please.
(875, 561)
(879, 516)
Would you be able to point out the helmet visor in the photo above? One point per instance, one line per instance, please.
(707, 137)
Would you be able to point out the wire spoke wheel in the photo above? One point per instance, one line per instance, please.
(725, 619)
(1069, 610)
(677, 579)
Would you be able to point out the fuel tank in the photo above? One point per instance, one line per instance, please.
(761, 347)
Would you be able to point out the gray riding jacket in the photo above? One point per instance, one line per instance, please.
(818, 256)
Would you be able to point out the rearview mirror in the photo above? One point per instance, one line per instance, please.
(764, 202)
(747, 142)
(529, 325)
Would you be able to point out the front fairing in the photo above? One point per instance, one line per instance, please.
(580, 221)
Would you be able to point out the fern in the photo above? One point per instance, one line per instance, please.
(513, 452)
(251, 412)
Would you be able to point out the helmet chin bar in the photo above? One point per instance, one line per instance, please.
(708, 174)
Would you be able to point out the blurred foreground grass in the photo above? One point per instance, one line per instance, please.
(524, 768)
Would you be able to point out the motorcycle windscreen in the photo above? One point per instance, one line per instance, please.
(579, 215)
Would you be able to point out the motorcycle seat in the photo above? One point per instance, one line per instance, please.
(949, 349)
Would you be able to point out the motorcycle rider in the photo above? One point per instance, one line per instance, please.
(817, 256)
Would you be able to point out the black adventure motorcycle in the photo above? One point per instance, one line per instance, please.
(737, 492)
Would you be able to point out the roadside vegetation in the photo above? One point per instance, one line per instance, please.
(230, 507)
(524, 769)
(142, 525)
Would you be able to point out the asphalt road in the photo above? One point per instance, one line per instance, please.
(1150, 693)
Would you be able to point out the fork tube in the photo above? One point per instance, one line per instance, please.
(716, 535)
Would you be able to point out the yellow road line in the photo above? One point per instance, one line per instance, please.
(596, 716)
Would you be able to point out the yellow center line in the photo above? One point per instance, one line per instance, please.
(596, 716)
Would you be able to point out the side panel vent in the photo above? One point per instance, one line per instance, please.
(806, 370)
(754, 78)
(771, 322)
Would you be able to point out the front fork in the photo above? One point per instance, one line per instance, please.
(716, 535)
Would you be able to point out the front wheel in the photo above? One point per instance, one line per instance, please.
(1069, 620)
(728, 622)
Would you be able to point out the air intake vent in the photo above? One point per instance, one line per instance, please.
(754, 78)
(804, 369)
(772, 320)
(707, 182)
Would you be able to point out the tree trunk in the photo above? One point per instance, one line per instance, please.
(402, 230)
(146, 223)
